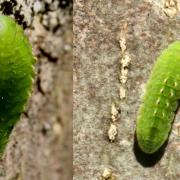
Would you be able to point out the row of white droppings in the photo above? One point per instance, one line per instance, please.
(124, 62)
(115, 112)
(123, 76)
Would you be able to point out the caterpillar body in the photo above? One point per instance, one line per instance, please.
(16, 75)
(160, 101)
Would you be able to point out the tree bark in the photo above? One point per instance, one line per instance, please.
(40, 145)
(98, 28)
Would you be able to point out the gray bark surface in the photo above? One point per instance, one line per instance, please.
(97, 55)
(40, 145)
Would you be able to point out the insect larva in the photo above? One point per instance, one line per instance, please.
(160, 101)
(16, 74)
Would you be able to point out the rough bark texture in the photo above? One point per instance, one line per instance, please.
(40, 146)
(97, 54)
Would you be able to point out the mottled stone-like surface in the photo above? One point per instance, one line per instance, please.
(40, 145)
(97, 24)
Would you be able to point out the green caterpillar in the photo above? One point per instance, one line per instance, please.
(160, 101)
(16, 75)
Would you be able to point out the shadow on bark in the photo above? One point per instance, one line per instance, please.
(148, 160)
